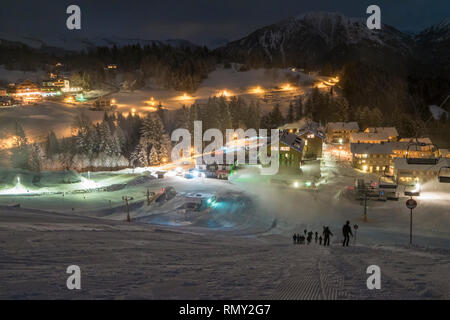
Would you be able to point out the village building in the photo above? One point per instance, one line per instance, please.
(28, 91)
(444, 153)
(313, 143)
(413, 148)
(339, 132)
(369, 137)
(371, 157)
(290, 150)
(311, 133)
(390, 132)
(54, 86)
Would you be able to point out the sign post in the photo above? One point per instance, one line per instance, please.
(411, 204)
(356, 229)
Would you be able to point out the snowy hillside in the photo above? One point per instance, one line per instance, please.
(437, 33)
(138, 261)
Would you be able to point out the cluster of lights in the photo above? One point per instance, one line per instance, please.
(224, 93)
(185, 97)
(151, 102)
(257, 90)
(287, 87)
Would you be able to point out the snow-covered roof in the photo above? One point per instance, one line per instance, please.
(371, 148)
(335, 126)
(301, 124)
(292, 140)
(415, 140)
(366, 136)
(390, 131)
(401, 164)
(313, 131)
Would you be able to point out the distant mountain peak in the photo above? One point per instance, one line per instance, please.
(317, 37)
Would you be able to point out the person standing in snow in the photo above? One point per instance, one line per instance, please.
(347, 232)
(316, 236)
(327, 233)
(294, 238)
(305, 231)
(320, 240)
(309, 238)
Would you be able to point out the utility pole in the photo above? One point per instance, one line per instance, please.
(365, 204)
(125, 198)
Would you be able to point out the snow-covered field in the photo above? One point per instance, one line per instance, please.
(38, 120)
(238, 247)
(230, 81)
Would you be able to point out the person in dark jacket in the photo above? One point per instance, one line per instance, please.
(309, 238)
(347, 232)
(320, 240)
(316, 236)
(294, 238)
(326, 236)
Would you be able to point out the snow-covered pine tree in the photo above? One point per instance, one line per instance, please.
(51, 145)
(20, 153)
(37, 158)
(154, 157)
(290, 115)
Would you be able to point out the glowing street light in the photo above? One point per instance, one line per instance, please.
(286, 87)
(257, 90)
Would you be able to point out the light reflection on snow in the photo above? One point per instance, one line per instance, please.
(434, 196)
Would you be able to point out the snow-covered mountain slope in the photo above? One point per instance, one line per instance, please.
(317, 36)
(433, 44)
(437, 33)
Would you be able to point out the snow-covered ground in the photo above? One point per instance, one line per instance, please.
(38, 120)
(239, 246)
(232, 82)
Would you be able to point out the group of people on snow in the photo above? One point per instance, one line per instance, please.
(307, 237)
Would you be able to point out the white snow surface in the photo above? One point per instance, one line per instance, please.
(241, 248)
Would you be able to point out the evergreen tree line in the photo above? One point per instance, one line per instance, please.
(117, 141)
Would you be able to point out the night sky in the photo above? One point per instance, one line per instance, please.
(199, 21)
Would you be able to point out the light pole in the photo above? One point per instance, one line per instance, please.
(126, 198)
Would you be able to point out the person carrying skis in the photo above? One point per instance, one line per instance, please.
(347, 232)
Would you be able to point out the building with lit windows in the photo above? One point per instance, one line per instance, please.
(28, 92)
(339, 132)
(371, 157)
(290, 150)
